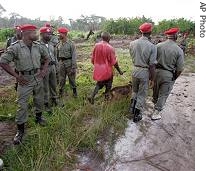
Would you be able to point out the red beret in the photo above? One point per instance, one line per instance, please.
(145, 28)
(45, 30)
(47, 25)
(27, 27)
(171, 31)
(63, 30)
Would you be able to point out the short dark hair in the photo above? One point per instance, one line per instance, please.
(105, 36)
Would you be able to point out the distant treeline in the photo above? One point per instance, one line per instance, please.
(127, 26)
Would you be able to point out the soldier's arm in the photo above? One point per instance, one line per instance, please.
(74, 57)
(179, 64)
(45, 57)
(6, 58)
(152, 63)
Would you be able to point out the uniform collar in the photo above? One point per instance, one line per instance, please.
(144, 38)
(22, 44)
(171, 41)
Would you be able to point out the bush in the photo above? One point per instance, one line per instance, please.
(183, 24)
(5, 34)
(129, 26)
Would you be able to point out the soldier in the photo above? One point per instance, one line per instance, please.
(66, 54)
(50, 82)
(143, 54)
(17, 36)
(103, 59)
(54, 41)
(27, 55)
(170, 58)
(54, 38)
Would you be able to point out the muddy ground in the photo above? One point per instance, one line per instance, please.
(164, 145)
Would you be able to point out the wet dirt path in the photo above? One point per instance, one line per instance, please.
(165, 145)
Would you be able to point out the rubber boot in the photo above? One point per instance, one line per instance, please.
(137, 115)
(54, 102)
(19, 135)
(132, 106)
(40, 120)
(75, 92)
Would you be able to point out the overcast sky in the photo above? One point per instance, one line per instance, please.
(155, 9)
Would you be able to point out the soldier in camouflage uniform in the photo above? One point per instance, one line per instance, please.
(66, 54)
(27, 55)
(143, 54)
(54, 41)
(170, 58)
(50, 82)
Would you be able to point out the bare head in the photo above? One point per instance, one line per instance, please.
(105, 36)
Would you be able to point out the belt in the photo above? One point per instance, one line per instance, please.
(63, 59)
(52, 63)
(31, 72)
(161, 67)
(140, 66)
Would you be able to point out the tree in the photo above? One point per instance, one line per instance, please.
(2, 10)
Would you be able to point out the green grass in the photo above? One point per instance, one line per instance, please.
(76, 127)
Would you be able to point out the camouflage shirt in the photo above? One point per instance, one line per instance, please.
(170, 56)
(67, 51)
(143, 52)
(24, 58)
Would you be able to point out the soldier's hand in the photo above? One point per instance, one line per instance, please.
(22, 81)
(151, 84)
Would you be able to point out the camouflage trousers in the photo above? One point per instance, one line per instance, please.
(50, 84)
(64, 72)
(140, 85)
(35, 88)
(162, 88)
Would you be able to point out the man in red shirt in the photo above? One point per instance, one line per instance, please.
(103, 59)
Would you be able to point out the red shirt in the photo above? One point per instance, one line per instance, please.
(103, 59)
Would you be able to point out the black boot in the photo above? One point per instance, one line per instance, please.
(40, 120)
(137, 115)
(19, 135)
(132, 106)
(60, 93)
(75, 92)
(54, 102)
